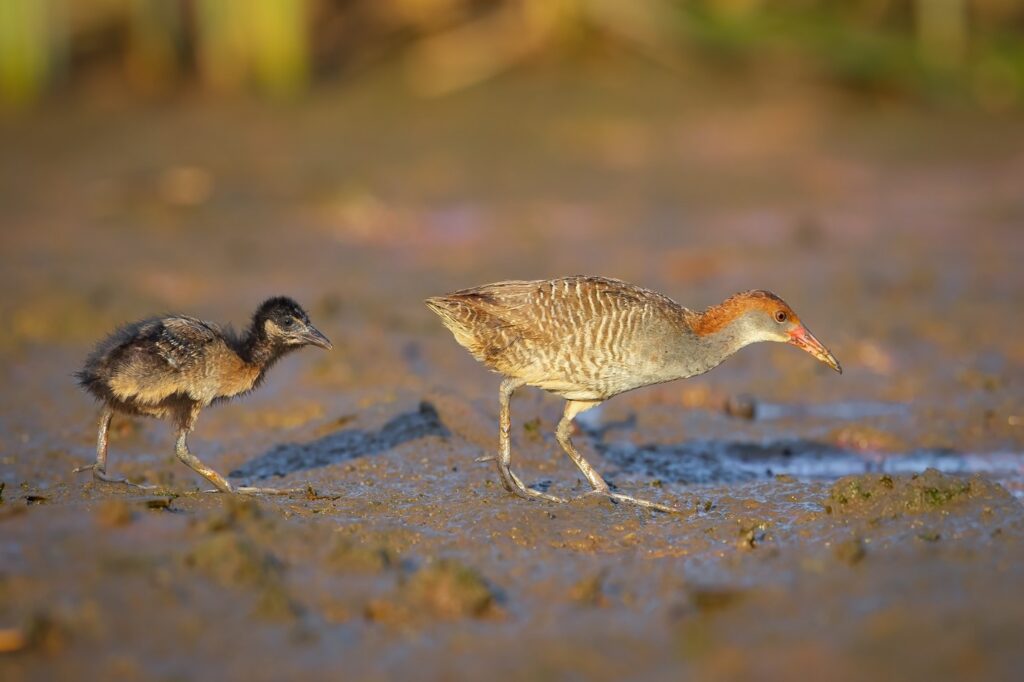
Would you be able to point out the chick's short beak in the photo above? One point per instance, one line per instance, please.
(802, 338)
(312, 336)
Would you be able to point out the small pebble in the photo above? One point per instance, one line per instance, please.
(114, 513)
(851, 551)
(741, 406)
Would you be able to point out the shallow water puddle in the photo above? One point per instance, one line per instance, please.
(715, 461)
(845, 410)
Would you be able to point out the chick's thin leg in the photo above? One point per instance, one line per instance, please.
(185, 455)
(564, 435)
(512, 482)
(99, 467)
(194, 463)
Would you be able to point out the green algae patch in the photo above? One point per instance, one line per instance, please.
(885, 495)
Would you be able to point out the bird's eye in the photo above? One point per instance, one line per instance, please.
(781, 316)
(289, 323)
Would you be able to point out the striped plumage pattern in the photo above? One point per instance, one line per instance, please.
(585, 338)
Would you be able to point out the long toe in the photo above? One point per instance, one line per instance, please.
(619, 497)
(644, 503)
(529, 493)
(101, 475)
(255, 490)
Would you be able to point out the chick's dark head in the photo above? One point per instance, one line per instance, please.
(285, 322)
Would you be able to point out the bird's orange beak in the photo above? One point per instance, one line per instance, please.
(802, 338)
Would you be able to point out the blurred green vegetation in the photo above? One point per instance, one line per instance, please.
(946, 50)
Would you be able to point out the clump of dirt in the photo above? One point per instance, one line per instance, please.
(891, 496)
(114, 513)
(742, 406)
(532, 429)
(693, 618)
(711, 599)
(863, 437)
(9, 511)
(850, 551)
(978, 380)
(590, 591)
(752, 532)
(348, 555)
(450, 589)
(443, 590)
(12, 639)
(237, 512)
(233, 560)
(39, 632)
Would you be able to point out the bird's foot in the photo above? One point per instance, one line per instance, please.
(647, 504)
(101, 475)
(619, 497)
(518, 488)
(256, 490)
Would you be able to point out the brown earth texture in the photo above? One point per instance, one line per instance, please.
(863, 526)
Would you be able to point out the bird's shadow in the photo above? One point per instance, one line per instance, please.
(341, 446)
(696, 461)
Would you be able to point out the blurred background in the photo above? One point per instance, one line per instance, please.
(947, 50)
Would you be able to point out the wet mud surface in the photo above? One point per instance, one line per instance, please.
(868, 525)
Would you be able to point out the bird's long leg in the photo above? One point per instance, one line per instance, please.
(193, 462)
(512, 482)
(564, 436)
(185, 426)
(99, 467)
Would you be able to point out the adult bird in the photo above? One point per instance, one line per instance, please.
(174, 366)
(588, 339)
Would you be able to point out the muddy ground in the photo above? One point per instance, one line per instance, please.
(868, 524)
